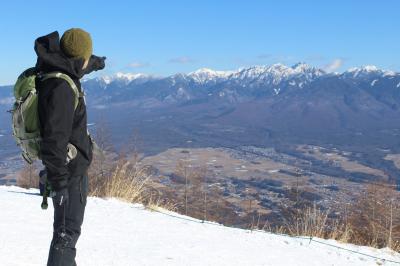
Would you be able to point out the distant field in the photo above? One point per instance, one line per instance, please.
(395, 158)
(339, 160)
(217, 160)
(263, 180)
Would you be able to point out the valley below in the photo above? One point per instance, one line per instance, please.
(236, 186)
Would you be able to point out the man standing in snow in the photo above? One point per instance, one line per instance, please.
(66, 147)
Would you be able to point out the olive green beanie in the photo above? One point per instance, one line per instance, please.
(76, 43)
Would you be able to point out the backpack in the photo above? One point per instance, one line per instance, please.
(25, 115)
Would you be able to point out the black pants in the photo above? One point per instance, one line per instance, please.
(73, 213)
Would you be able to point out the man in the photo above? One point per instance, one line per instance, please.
(66, 147)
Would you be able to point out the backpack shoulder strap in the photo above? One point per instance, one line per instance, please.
(71, 83)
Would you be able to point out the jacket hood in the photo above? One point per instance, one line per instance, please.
(51, 57)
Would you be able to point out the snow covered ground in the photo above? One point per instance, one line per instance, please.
(117, 233)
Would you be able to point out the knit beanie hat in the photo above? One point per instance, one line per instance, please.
(76, 43)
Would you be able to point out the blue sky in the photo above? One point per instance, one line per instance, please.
(166, 37)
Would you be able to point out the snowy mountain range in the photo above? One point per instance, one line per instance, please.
(252, 81)
(250, 106)
(233, 86)
(274, 74)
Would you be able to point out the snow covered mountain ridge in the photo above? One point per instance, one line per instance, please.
(240, 85)
(203, 75)
(276, 72)
(123, 77)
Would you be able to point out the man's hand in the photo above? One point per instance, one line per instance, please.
(60, 197)
(99, 63)
(95, 63)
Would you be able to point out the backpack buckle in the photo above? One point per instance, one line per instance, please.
(27, 158)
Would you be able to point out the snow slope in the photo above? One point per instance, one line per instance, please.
(116, 233)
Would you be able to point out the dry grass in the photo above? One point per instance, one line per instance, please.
(28, 178)
(395, 246)
(159, 204)
(128, 181)
(113, 175)
(125, 180)
(311, 221)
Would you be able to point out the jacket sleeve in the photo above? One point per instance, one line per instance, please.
(56, 113)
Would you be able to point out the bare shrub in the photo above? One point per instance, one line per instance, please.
(312, 221)
(185, 170)
(195, 195)
(375, 218)
(309, 222)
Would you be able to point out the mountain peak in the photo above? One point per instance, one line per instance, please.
(370, 68)
(367, 68)
(205, 74)
(278, 72)
(301, 65)
(364, 71)
(130, 76)
(202, 70)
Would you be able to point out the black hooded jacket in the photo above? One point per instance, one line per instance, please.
(60, 123)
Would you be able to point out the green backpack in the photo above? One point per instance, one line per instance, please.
(25, 116)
